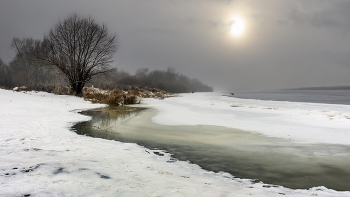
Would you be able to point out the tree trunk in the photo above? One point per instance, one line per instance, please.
(76, 88)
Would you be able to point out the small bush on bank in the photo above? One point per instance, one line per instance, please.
(124, 96)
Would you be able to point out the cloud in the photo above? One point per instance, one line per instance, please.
(324, 14)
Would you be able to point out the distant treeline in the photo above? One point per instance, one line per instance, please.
(23, 72)
(324, 88)
(168, 80)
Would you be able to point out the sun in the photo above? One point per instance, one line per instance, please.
(237, 27)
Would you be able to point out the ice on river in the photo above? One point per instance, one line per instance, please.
(40, 156)
(299, 122)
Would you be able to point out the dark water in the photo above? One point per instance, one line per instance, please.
(309, 96)
(240, 153)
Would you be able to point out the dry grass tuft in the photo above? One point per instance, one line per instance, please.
(2, 87)
(117, 97)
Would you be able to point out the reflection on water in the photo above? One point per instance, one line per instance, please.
(105, 121)
(243, 154)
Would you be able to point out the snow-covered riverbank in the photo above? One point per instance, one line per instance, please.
(40, 156)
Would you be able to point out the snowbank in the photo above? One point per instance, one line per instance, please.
(299, 122)
(40, 156)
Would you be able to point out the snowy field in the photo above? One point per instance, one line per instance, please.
(40, 156)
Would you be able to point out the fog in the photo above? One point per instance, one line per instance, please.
(285, 44)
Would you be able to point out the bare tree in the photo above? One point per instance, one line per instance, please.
(80, 48)
(142, 73)
(2, 73)
(24, 70)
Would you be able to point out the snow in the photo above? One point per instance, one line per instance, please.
(298, 122)
(40, 156)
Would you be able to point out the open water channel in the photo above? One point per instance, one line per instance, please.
(240, 153)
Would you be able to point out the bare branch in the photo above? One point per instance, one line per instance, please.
(80, 48)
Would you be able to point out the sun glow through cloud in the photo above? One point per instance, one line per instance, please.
(237, 27)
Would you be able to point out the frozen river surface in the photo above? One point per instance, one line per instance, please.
(240, 153)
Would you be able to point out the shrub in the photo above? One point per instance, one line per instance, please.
(122, 96)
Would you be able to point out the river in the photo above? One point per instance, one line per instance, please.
(241, 153)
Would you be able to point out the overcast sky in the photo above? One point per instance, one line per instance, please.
(285, 44)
